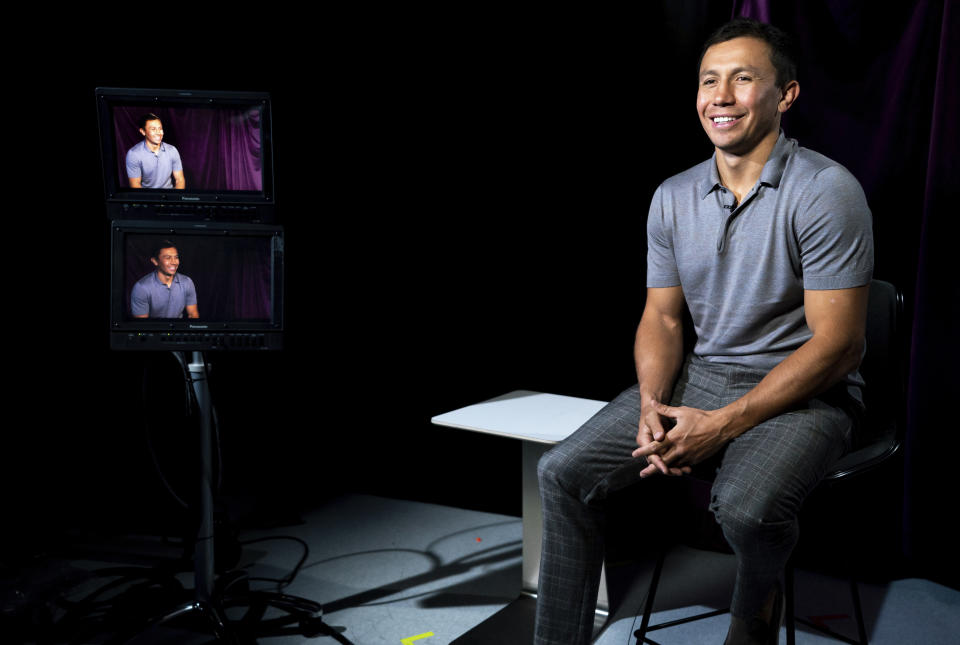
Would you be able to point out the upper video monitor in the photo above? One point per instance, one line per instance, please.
(185, 154)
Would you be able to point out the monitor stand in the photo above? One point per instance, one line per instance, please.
(209, 601)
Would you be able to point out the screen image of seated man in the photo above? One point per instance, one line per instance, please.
(153, 163)
(164, 293)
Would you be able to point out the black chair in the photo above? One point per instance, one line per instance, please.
(879, 439)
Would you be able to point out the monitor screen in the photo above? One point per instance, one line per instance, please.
(186, 154)
(196, 286)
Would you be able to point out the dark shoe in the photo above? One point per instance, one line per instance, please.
(755, 630)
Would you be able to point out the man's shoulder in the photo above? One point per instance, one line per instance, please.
(143, 284)
(136, 149)
(184, 281)
(146, 280)
(815, 184)
(807, 164)
(690, 177)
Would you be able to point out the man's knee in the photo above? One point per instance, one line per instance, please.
(569, 470)
(753, 519)
(555, 467)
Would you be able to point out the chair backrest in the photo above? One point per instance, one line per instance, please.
(882, 371)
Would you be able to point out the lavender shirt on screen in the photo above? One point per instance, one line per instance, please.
(151, 297)
(155, 169)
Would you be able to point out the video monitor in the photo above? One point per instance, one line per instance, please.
(186, 154)
(196, 286)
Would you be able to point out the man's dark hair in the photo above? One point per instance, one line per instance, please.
(148, 117)
(161, 245)
(783, 51)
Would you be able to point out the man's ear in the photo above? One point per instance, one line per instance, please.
(155, 263)
(788, 94)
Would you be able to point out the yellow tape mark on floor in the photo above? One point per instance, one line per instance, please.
(409, 639)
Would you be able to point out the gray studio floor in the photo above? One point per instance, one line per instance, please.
(396, 572)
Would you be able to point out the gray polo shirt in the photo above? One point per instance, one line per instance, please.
(151, 297)
(743, 269)
(155, 169)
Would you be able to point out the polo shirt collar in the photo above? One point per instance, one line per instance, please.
(144, 144)
(176, 277)
(771, 174)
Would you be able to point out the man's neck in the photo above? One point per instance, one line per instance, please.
(164, 278)
(151, 146)
(739, 173)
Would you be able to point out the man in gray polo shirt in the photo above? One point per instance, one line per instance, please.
(770, 246)
(153, 163)
(164, 293)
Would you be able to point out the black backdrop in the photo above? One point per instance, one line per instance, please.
(464, 198)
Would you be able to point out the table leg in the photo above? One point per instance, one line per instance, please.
(533, 524)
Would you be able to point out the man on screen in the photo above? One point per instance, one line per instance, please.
(164, 293)
(153, 163)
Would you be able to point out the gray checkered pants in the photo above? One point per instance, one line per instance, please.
(763, 478)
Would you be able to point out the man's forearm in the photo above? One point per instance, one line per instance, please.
(658, 355)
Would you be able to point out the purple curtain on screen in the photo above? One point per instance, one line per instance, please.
(879, 93)
(220, 148)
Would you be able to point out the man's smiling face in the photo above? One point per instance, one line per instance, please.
(152, 131)
(738, 100)
(167, 261)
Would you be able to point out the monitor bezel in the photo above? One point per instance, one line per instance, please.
(120, 323)
(123, 202)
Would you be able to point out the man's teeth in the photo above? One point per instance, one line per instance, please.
(723, 119)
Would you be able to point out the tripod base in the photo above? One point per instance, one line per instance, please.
(207, 610)
(298, 616)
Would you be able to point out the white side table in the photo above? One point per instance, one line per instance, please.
(539, 420)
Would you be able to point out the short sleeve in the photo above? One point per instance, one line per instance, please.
(835, 232)
(133, 165)
(175, 160)
(661, 261)
(139, 300)
(189, 293)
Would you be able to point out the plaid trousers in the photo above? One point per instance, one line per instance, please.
(763, 477)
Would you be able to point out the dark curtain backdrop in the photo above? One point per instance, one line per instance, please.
(879, 92)
(232, 275)
(220, 148)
